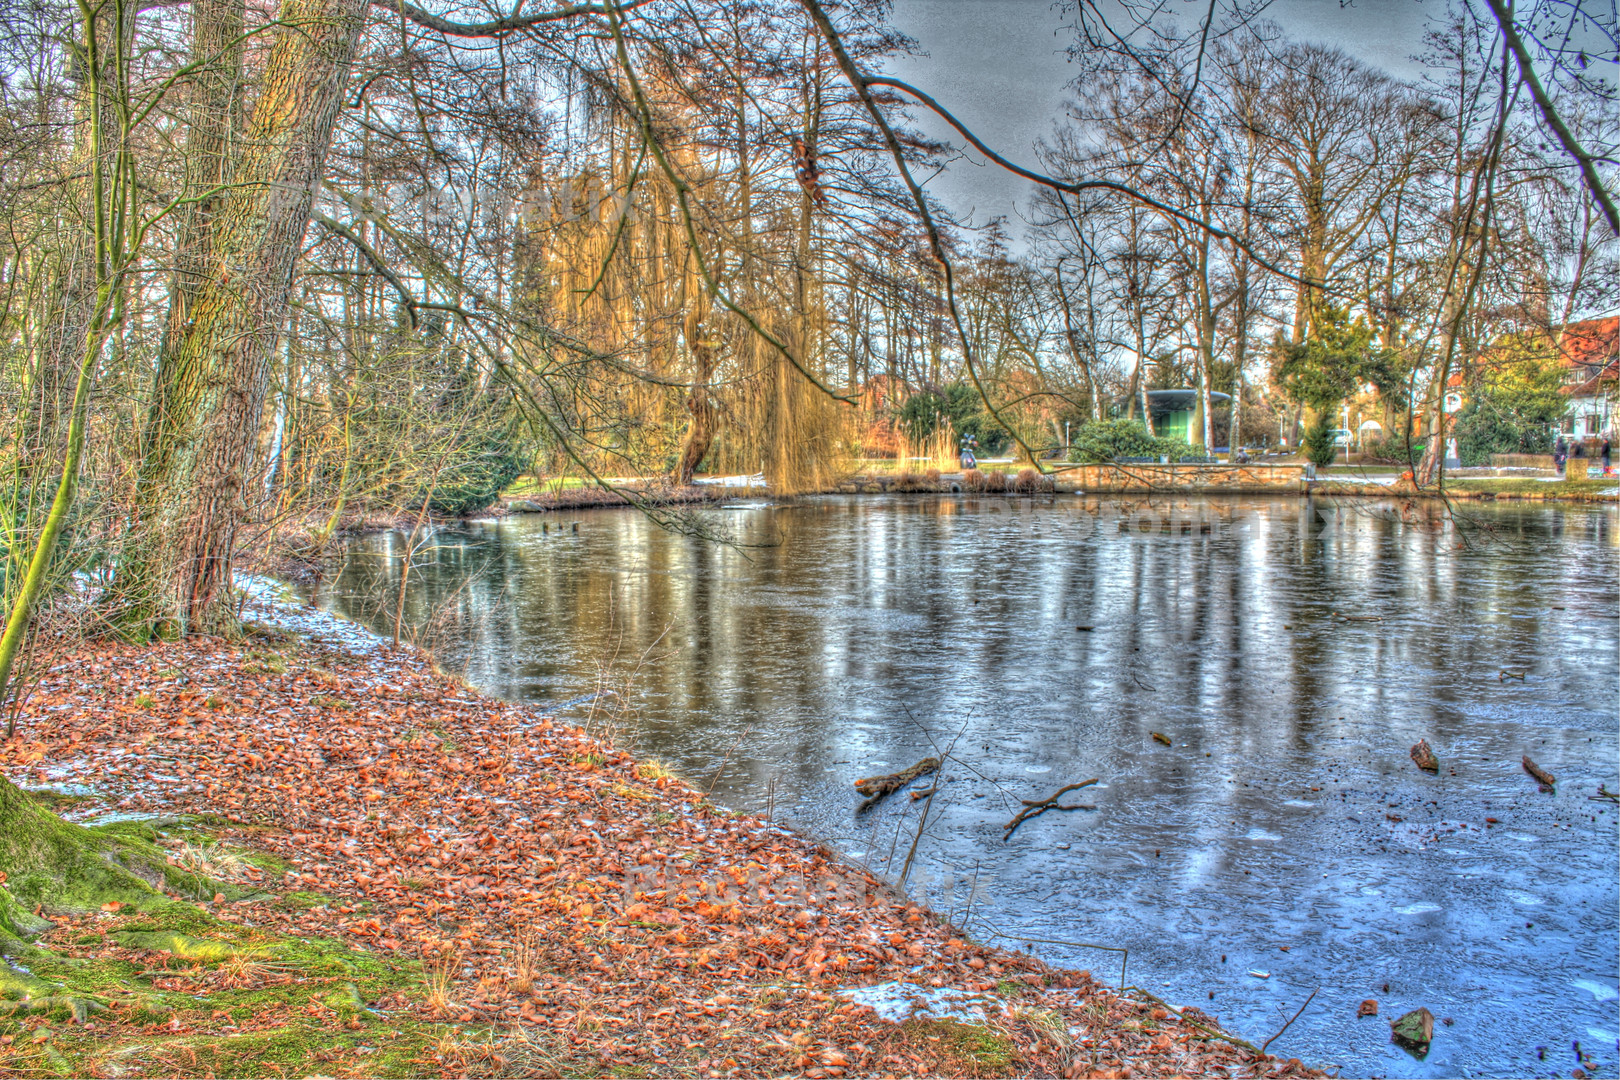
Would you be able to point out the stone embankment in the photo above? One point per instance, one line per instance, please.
(1223, 479)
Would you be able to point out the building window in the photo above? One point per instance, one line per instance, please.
(1569, 424)
(1594, 423)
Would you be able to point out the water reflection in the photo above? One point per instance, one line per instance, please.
(1292, 651)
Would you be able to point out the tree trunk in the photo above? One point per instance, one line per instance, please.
(101, 252)
(70, 299)
(213, 117)
(700, 426)
(209, 399)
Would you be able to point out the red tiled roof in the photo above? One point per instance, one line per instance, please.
(1595, 341)
(1591, 350)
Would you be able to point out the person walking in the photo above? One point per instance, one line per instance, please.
(1608, 468)
(1560, 454)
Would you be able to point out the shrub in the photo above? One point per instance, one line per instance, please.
(1319, 447)
(974, 480)
(932, 475)
(481, 469)
(958, 405)
(1497, 424)
(1028, 480)
(1391, 449)
(995, 481)
(1103, 441)
(1512, 408)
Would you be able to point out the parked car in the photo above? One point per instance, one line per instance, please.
(1343, 436)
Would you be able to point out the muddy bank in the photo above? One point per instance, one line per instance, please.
(548, 903)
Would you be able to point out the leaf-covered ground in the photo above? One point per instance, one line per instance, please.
(433, 883)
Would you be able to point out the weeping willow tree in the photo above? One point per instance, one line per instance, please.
(687, 258)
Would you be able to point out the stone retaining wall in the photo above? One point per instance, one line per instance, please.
(1521, 461)
(1185, 477)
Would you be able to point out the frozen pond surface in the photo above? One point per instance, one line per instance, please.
(1286, 814)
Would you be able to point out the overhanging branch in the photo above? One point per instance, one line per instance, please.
(1566, 138)
(515, 23)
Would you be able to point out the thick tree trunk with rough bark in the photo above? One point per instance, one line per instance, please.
(209, 400)
(214, 122)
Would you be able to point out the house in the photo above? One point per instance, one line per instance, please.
(1590, 354)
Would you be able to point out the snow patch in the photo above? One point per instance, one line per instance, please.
(897, 1002)
(1598, 990)
(1419, 908)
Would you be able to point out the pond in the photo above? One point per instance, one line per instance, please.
(1291, 652)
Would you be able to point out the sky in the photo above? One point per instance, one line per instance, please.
(999, 65)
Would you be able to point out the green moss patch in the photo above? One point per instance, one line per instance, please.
(184, 946)
(175, 991)
(967, 1049)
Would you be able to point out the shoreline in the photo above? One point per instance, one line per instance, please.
(1053, 484)
(409, 817)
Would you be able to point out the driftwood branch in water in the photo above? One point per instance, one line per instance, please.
(1357, 618)
(876, 787)
(1036, 807)
(1542, 775)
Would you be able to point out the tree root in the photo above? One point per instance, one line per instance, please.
(48, 864)
(1034, 808)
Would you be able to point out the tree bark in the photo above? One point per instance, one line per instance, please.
(212, 380)
(213, 118)
(700, 425)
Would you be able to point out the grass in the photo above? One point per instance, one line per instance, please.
(1010, 988)
(58, 801)
(265, 662)
(210, 997)
(210, 859)
(968, 1049)
(1519, 485)
(530, 486)
(1509, 485)
(653, 769)
(526, 962)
